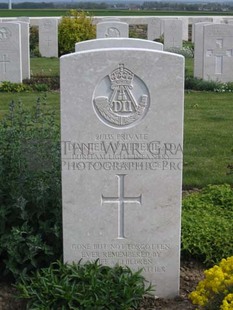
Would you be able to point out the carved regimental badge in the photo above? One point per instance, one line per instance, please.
(121, 99)
(4, 34)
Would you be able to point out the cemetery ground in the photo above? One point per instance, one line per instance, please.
(208, 159)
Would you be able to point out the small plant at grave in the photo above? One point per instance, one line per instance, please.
(224, 87)
(215, 292)
(43, 83)
(192, 83)
(187, 50)
(75, 27)
(207, 221)
(9, 87)
(83, 286)
(200, 85)
(160, 39)
(30, 194)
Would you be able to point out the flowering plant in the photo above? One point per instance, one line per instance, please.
(215, 292)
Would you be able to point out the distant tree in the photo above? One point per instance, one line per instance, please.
(3, 6)
(33, 5)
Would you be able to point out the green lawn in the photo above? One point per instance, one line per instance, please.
(208, 138)
(45, 66)
(189, 66)
(29, 100)
(208, 127)
(50, 66)
(61, 12)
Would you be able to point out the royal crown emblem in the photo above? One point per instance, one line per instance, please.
(4, 33)
(126, 101)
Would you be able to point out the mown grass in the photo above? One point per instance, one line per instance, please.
(29, 100)
(61, 12)
(208, 139)
(208, 127)
(45, 66)
(189, 66)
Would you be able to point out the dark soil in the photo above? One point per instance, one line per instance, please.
(191, 274)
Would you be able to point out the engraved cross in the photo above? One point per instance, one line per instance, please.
(121, 200)
(48, 40)
(219, 54)
(4, 61)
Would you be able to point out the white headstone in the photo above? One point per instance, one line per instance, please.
(25, 46)
(122, 122)
(185, 30)
(172, 33)
(154, 29)
(48, 37)
(10, 52)
(112, 29)
(198, 49)
(218, 52)
(194, 20)
(117, 42)
(24, 19)
(227, 20)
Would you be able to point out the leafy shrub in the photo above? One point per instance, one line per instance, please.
(74, 28)
(30, 196)
(83, 286)
(207, 221)
(215, 292)
(9, 87)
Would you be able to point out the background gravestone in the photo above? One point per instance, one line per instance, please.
(198, 50)
(194, 20)
(122, 123)
(172, 33)
(112, 29)
(25, 46)
(154, 30)
(218, 52)
(48, 37)
(117, 42)
(10, 52)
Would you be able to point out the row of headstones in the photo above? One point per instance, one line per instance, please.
(15, 47)
(212, 59)
(171, 29)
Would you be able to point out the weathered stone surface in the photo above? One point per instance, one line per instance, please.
(117, 42)
(48, 37)
(122, 122)
(172, 33)
(218, 52)
(112, 29)
(10, 52)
